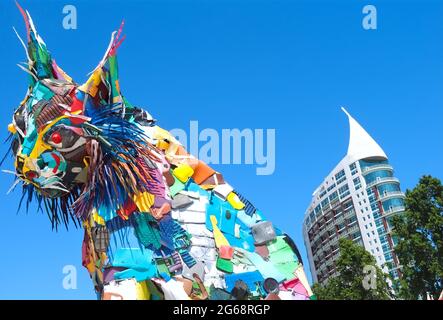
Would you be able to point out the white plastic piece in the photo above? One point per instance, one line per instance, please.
(173, 290)
(222, 190)
(198, 230)
(121, 289)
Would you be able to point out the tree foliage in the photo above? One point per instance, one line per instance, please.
(419, 232)
(349, 284)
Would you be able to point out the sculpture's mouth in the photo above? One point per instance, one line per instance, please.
(46, 174)
(51, 193)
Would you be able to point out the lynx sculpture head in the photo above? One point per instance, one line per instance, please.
(75, 145)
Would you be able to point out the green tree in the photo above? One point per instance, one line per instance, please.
(353, 281)
(419, 232)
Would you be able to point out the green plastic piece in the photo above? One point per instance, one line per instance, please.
(225, 265)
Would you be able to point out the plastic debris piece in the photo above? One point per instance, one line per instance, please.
(240, 290)
(271, 285)
(252, 280)
(183, 172)
(263, 232)
(223, 190)
(234, 200)
(226, 252)
(181, 201)
(225, 265)
(220, 239)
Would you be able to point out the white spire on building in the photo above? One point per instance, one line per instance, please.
(361, 144)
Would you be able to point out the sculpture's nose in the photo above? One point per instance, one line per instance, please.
(26, 167)
(19, 163)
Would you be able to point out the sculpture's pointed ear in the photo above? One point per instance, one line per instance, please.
(103, 84)
(40, 63)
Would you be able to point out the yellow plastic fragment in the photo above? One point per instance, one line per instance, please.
(11, 128)
(183, 172)
(235, 201)
(91, 86)
(97, 219)
(142, 291)
(143, 201)
(163, 145)
(220, 239)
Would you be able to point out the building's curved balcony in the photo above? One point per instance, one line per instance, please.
(392, 194)
(384, 180)
(377, 167)
(393, 211)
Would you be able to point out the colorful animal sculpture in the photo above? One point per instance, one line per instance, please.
(158, 222)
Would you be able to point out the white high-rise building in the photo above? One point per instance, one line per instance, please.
(356, 200)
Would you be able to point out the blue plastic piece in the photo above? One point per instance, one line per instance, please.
(250, 278)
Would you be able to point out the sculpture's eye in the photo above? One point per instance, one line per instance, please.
(62, 137)
(56, 137)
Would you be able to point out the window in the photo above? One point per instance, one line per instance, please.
(337, 213)
(324, 203)
(352, 219)
(317, 211)
(364, 219)
(378, 223)
(347, 205)
(331, 187)
(340, 177)
(357, 183)
(311, 215)
(353, 168)
(344, 191)
(388, 256)
(323, 194)
(333, 196)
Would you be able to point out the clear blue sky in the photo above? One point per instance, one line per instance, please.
(287, 65)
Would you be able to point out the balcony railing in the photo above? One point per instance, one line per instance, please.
(377, 167)
(382, 180)
(394, 210)
(391, 194)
